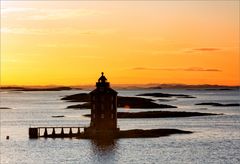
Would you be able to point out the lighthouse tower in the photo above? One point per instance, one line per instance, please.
(103, 110)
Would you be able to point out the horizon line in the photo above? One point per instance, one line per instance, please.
(119, 85)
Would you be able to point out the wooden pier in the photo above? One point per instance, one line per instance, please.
(55, 132)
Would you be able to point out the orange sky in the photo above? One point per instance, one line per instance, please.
(72, 42)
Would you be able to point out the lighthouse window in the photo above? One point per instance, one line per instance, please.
(102, 115)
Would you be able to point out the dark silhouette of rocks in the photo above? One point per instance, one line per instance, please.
(140, 133)
(161, 114)
(220, 89)
(37, 88)
(58, 116)
(133, 133)
(217, 88)
(46, 89)
(158, 114)
(80, 97)
(219, 104)
(86, 105)
(203, 86)
(13, 88)
(125, 102)
(5, 108)
(137, 102)
(166, 95)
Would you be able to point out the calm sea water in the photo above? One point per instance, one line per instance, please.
(216, 139)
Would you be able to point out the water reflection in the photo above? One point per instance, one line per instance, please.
(104, 150)
(103, 145)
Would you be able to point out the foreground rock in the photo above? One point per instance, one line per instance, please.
(139, 133)
(133, 133)
(125, 102)
(158, 114)
(166, 95)
(219, 104)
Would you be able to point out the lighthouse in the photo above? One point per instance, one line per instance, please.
(103, 110)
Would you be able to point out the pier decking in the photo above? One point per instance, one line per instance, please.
(55, 132)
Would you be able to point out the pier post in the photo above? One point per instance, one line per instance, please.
(78, 131)
(45, 133)
(33, 132)
(70, 131)
(62, 132)
(53, 132)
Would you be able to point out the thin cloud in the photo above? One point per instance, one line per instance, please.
(191, 69)
(141, 68)
(202, 69)
(204, 49)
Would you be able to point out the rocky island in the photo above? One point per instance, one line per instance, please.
(125, 102)
(140, 133)
(159, 114)
(218, 104)
(167, 95)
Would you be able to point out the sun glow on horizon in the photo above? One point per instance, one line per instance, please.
(71, 43)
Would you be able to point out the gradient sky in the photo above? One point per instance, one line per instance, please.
(133, 42)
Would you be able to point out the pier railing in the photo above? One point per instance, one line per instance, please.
(52, 131)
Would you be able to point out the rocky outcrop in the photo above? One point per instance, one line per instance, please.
(166, 95)
(219, 104)
(140, 133)
(158, 114)
(124, 102)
